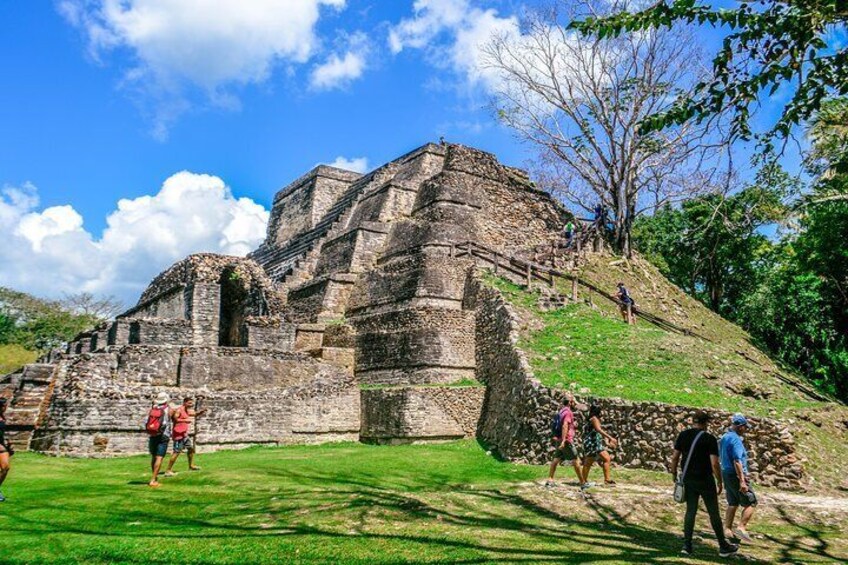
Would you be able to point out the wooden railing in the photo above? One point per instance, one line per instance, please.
(530, 270)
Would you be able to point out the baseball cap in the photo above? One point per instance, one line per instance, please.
(739, 420)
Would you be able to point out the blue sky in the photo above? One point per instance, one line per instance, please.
(72, 130)
(196, 117)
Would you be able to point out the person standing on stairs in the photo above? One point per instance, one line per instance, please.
(701, 479)
(6, 450)
(569, 234)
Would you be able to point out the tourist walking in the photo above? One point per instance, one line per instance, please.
(563, 438)
(158, 427)
(183, 434)
(594, 445)
(6, 450)
(625, 304)
(701, 479)
(737, 483)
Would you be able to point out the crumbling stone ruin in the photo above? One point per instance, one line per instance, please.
(354, 320)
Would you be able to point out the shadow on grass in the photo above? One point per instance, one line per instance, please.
(445, 521)
(795, 547)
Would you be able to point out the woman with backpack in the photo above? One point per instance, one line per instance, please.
(6, 450)
(594, 446)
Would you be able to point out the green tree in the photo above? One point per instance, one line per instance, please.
(37, 324)
(712, 246)
(769, 44)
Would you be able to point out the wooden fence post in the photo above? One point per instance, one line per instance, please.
(574, 289)
(495, 260)
(529, 274)
(451, 251)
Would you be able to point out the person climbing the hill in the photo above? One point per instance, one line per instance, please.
(6, 450)
(183, 419)
(158, 427)
(701, 478)
(563, 438)
(734, 471)
(569, 234)
(594, 447)
(625, 304)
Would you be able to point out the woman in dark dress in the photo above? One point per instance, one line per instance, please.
(594, 445)
(6, 451)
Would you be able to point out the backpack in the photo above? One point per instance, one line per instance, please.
(155, 424)
(556, 425)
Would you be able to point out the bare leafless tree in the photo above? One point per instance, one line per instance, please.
(580, 101)
(100, 307)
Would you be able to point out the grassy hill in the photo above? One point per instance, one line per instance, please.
(354, 503)
(589, 347)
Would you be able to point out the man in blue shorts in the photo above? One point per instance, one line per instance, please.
(734, 472)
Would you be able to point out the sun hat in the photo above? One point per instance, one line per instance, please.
(162, 398)
(739, 420)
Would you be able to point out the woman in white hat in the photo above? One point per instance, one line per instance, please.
(159, 429)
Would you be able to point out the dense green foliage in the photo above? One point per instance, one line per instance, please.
(769, 44)
(36, 324)
(790, 294)
(355, 503)
(712, 246)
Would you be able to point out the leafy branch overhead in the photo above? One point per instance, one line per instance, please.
(770, 45)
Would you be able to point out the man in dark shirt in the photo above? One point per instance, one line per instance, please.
(698, 480)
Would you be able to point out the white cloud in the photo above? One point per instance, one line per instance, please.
(49, 252)
(357, 164)
(207, 44)
(432, 17)
(339, 71)
(453, 33)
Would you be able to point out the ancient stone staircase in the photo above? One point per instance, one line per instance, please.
(293, 263)
(32, 389)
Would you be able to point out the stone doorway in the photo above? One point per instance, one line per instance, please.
(235, 307)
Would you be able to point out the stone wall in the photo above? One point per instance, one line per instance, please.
(518, 410)
(412, 414)
(302, 204)
(101, 400)
(156, 331)
(270, 332)
(415, 346)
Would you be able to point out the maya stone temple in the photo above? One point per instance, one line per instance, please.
(357, 319)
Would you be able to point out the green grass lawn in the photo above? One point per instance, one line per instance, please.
(353, 503)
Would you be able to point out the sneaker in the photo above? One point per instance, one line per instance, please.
(2, 498)
(610, 483)
(587, 485)
(549, 484)
(687, 549)
(169, 474)
(728, 550)
(742, 534)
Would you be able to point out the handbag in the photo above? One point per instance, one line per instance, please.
(679, 488)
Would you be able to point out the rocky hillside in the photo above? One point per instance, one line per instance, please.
(585, 346)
